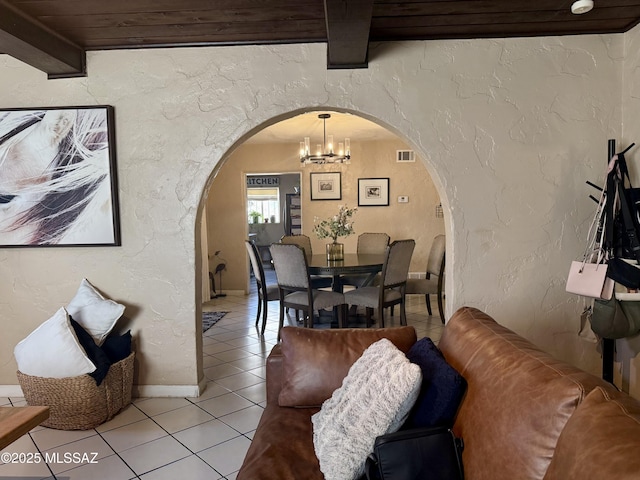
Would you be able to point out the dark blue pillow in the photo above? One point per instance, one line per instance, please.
(442, 388)
(93, 351)
(117, 347)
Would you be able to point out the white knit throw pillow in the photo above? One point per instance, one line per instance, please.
(375, 398)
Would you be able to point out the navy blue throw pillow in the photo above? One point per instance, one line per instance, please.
(117, 347)
(442, 388)
(93, 351)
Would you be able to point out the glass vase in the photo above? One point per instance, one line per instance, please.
(335, 251)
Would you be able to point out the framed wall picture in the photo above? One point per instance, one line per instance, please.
(326, 186)
(373, 192)
(58, 179)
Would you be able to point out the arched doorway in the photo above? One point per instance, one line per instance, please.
(414, 204)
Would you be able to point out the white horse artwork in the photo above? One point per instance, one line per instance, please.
(55, 180)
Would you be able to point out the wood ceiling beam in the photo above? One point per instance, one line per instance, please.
(32, 43)
(348, 26)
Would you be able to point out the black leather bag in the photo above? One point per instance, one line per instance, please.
(624, 273)
(417, 454)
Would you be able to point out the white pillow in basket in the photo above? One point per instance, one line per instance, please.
(52, 350)
(96, 314)
(375, 398)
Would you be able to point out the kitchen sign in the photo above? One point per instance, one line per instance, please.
(263, 181)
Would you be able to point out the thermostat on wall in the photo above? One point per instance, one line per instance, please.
(403, 199)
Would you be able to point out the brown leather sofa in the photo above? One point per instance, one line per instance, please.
(525, 415)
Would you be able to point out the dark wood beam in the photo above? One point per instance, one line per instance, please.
(34, 44)
(348, 25)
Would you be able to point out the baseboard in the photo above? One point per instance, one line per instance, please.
(13, 391)
(416, 275)
(191, 391)
(233, 293)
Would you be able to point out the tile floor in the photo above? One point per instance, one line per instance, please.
(186, 438)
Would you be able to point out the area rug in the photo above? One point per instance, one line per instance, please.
(209, 319)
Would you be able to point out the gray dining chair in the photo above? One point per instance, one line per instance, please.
(266, 293)
(434, 281)
(368, 243)
(304, 242)
(391, 290)
(294, 286)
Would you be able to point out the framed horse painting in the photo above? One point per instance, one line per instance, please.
(58, 178)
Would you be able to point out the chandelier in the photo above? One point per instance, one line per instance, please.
(325, 153)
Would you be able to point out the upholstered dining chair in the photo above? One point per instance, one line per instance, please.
(266, 293)
(294, 285)
(368, 243)
(304, 242)
(433, 283)
(391, 290)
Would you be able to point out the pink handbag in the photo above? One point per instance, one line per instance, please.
(590, 280)
(586, 277)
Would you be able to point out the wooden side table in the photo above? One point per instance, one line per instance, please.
(16, 421)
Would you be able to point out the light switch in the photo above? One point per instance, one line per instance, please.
(403, 199)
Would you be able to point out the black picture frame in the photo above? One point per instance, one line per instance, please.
(59, 184)
(373, 192)
(326, 186)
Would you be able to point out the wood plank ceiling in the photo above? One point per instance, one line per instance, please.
(54, 35)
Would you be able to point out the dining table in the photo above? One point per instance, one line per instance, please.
(353, 264)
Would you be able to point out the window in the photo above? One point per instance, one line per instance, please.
(263, 204)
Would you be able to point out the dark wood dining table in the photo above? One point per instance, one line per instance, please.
(353, 264)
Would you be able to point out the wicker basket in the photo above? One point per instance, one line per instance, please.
(77, 403)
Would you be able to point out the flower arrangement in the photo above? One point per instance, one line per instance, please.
(339, 225)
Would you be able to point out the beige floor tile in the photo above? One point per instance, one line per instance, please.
(190, 468)
(130, 414)
(86, 450)
(247, 363)
(241, 380)
(245, 420)
(231, 355)
(49, 438)
(155, 454)
(259, 372)
(212, 390)
(211, 361)
(217, 348)
(225, 404)
(156, 406)
(182, 418)
(221, 371)
(134, 434)
(256, 393)
(227, 457)
(111, 468)
(206, 435)
(23, 444)
(21, 469)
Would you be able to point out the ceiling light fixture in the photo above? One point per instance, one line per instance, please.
(581, 6)
(325, 153)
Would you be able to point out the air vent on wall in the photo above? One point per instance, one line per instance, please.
(405, 156)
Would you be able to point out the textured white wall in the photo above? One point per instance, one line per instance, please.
(509, 130)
